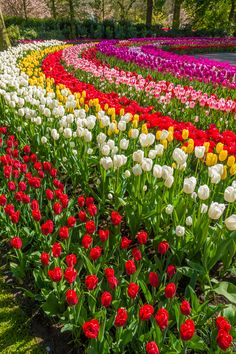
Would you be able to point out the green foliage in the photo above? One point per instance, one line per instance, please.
(61, 29)
(14, 328)
(13, 32)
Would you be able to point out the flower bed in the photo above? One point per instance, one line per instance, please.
(58, 244)
(126, 264)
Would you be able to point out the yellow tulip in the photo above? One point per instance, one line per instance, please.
(185, 134)
(135, 124)
(164, 143)
(190, 148)
(232, 170)
(158, 134)
(144, 129)
(207, 145)
(231, 160)
(223, 155)
(122, 111)
(219, 147)
(170, 136)
(224, 175)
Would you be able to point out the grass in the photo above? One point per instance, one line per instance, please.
(14, 325)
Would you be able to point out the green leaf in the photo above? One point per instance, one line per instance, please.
(67, 327)
(197, 343)
(146, 292)
(228, 290)
(230, 313)
(51, 306)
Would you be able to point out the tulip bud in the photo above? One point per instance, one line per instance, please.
(180, 230)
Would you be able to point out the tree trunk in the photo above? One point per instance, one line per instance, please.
(149, 13)
(72, 19)
(103, 10)
(176, 14)
(54, 10)
(25, 9)
(232, 13)
(4, 39)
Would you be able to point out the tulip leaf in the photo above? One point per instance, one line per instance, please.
(197, 343)
(226, 289)
(51, 306)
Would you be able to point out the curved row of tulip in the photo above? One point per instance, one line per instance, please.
(153, 57)
(194, 105)
(65, 247)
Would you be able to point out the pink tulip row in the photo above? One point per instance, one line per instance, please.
(163, 91)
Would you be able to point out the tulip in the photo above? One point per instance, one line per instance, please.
(216, 210)
(189, 185)
(230, 222)
(180, 230)
(203, 192)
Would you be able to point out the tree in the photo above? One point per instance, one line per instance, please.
(52, 6)
(4, 40)
(149, 13)
(125, 7)
(176, 14)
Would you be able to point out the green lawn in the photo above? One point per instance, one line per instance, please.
(14, 325)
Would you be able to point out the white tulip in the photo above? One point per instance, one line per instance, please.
(80, 132)
(111, 143)
(164, 134)
(38, 120)
(106, 162)
(44, 140)
(180, 230)
(215, 177)
(189, 185)
(204, 208)
(101, 138)
(119, 160)
(169, 181)
(91, 122)
(67, 133)
(138, 156)
(189, 221)
(122, 125)
(159, 149)
(203, 192)
(70, 118)
(137, 169)
(87, 136)
(230, 222)
(105, 120)
(105, 149)
(157, 171)
(150, 139)
(194, 196)
(152, 154)
(124, 143)
(89, 151)
(113, 127)
(216, 210)
(134, 133)
(230, 194)
(179, 156)
(167, 171)
(169, 209)
(147, 164)
(127, 174)
(199, 151)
